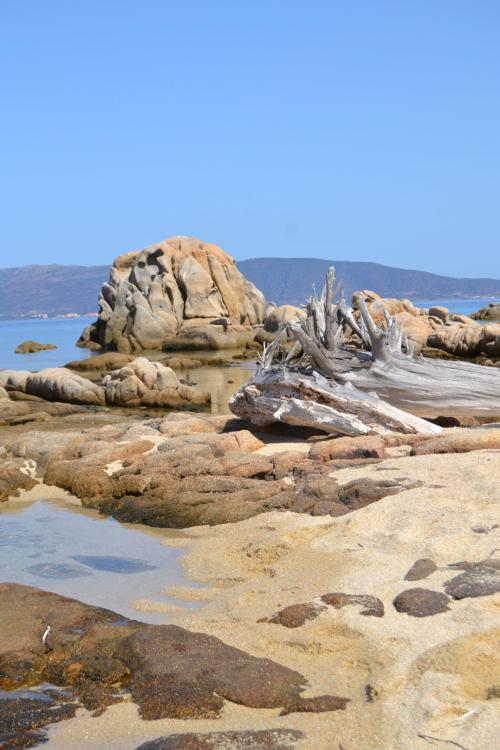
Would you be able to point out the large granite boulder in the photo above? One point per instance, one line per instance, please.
(179, 293)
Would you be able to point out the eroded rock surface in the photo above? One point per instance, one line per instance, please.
(478, 579)
(177, 294)
(169, 671)
(420, 602)
(138, 382)
(266, 739)
(371, 606)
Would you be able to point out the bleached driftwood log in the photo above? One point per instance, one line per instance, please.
(327, 383)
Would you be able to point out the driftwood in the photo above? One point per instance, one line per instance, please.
(379, 386)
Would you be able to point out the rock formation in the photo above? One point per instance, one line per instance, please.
(30, 347)
(178, 294)
(138, 383)
(490, 312)
(436, 330)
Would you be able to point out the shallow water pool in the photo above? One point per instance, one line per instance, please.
(62, 547)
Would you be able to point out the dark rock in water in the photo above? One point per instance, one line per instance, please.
(58, 570)
(479, 579)
(30, 347)
(316, 705)
(372, 606)
(266, 739)
(421, 602)
(295, 615)
(422, 568)
(168, 671)
(114, 564)
(24, 714)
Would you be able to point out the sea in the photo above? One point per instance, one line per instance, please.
(64, 332)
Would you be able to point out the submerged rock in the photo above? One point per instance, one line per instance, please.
(30, 347)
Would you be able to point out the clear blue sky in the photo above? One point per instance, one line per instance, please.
(356, 130)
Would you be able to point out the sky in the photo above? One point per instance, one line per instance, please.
(358, 130)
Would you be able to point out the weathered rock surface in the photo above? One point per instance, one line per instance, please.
(459, 441)
(139, 382)
(421, 602)
(266, 739)
(295, 615)
(30, 347)
(279, 316)
(25, 714)
(347, 447)
(371, 606)
(420, 569)
(490, 312)
(435, 330)
(478, 579)
(13, 477)
(168, 671)
(177, 294)
(181, 471)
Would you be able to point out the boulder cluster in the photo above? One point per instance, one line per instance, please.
(139, 382)
(177, 294)
(435, 331)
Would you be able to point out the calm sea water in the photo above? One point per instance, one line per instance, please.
(462, 306)
(65, 332)
(61, 332)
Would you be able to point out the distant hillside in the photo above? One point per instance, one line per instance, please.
(53, 290)
(58, 290)
(290, 280)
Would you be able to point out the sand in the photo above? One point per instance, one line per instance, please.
(429, 677)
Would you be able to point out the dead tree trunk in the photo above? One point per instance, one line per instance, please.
(327, 383)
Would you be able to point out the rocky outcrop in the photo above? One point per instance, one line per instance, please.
(30, 347)
(178, 294)
(278, 316)
(490, 312)
(435, 331)
(140, 382)
(168, 671)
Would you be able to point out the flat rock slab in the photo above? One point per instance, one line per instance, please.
(421, 602)
(169, 671)
(267, 739)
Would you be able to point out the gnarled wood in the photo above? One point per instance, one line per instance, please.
(327, 383)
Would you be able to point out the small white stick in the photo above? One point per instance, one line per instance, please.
(46, 635)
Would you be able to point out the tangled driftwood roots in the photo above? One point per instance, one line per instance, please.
(348, 376)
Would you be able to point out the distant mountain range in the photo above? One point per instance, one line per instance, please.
(61, 290)
(290, 280)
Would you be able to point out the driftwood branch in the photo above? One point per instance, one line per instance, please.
(327, 383)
